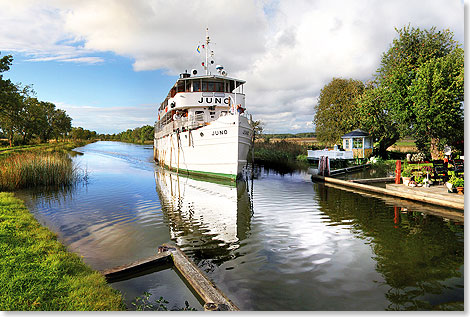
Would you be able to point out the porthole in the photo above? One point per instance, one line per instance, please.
(202, 134)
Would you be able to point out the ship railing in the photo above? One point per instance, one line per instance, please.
(185, 123)
(180, 124)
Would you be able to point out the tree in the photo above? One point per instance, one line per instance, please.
(11, 109)
(5, 63)
(335, 110)
(398, 72)
(374, 116)
(61, 124)
(437, 96)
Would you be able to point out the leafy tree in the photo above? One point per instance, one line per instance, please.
(437, 96)
(398, 72)
(374, 116)
(335, 110)
(61, 124)
(11, 109)
(5, 63)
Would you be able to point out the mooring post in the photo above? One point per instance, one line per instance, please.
(398, 172)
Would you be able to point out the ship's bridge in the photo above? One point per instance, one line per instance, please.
(204, 91)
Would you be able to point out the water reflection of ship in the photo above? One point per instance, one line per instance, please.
(202, 215)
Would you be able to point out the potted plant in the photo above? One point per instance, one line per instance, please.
(419, 180)
(406, 176)
(458, 183)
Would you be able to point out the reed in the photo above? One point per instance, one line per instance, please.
(282, 156)
(31, 169)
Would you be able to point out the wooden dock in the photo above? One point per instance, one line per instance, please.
(437, 196)
(172, 256)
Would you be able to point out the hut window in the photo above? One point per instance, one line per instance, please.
(346, 143)
(357, 143)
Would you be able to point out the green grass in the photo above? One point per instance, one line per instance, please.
(38, 273)
(42, 147)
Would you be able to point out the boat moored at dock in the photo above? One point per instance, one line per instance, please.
(203, 126)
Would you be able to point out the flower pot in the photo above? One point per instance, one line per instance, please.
(460, 190)
(406, 180)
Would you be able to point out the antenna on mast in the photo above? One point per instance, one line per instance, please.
(208, 40)
(209, 53)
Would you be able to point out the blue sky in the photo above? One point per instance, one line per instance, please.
(110, 84)
(110, 63)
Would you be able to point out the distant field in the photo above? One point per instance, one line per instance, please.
(404, 146)
(301, 141)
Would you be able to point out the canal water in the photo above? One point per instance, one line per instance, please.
(274, 242)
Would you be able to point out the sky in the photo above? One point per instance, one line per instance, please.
(110, 63)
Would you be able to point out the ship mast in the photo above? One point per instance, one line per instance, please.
(206, 65)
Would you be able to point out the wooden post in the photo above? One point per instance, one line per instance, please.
(398, 173)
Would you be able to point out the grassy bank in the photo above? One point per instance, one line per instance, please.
(37, 272)
(42, 147)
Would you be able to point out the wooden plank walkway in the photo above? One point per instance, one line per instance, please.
(214, 299)
(416, 196)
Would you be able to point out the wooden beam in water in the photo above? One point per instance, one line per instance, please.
(213, 298)
(172, 256)
(120, 272)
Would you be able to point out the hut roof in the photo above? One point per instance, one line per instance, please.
(355, 133)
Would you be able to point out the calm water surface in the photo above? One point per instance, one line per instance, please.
(278, 242)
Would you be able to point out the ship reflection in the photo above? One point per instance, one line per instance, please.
(207, 219)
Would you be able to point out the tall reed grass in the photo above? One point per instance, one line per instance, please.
(31, 169)
(281, 156)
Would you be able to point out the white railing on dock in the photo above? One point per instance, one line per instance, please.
(333, 155)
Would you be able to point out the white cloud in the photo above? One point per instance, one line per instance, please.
(285, 50)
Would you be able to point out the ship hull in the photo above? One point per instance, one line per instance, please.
(218, 149)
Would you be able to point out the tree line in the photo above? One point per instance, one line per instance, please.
(417, 91)
(137, 135)
(24, 118)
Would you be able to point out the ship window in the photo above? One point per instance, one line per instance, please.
(204, 86)
(212, 114)
(199, 115)
(172, 92)
(210, 87)
(180, 87)
(230, 86)
(196, 86)
(219, 87)
(187, 86)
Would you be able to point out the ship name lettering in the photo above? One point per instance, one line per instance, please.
(216, 100)
(219, 132)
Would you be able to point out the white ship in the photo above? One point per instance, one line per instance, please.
(202, 125)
